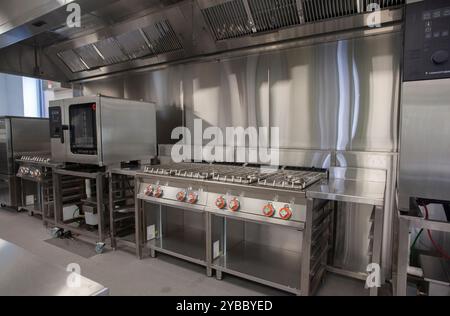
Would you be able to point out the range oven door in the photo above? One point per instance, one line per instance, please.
(75, 132)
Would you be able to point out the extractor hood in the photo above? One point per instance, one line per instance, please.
(136, 34)
(23, 19)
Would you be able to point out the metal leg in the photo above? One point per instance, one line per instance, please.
(402, 257)
(306, 250)
(209, 246)
(138, 221)
(377, 242)
(100, 208)
(152, 253)
(334, 219)
(219, 275)
(112, 228)
(57, 198)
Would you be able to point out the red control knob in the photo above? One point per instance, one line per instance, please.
(192, 198)
(221, 203)
(181, 196)
(234, 205)
(149, 190)
(158, 192)
(269, 210)
(286, 212)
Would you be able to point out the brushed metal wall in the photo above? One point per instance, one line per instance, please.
(340, 96)
(333, 96)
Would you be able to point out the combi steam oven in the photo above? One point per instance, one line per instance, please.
(102, 130)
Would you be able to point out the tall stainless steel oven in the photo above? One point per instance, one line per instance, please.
(18, 136)
(425, 143)
(102, 130)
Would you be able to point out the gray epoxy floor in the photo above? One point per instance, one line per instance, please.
(123, 274)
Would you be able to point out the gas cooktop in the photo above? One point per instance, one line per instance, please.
(253, 175)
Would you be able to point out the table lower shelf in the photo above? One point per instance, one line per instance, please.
(268, 265)
(187, 244)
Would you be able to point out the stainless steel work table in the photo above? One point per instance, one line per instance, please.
(118, 187)
(359, 186)
(43, 186)
(99, 236)
(24, 274)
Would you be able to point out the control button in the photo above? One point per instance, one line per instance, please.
(234, 205)
(192, 198)
(440, 57)
(181, 196)
(286, 212)
(158, 192)
(269, 210)
(221, 203)
(149, 190)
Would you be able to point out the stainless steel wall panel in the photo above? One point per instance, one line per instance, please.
(304, 110)
(376, 94)
(333, 96)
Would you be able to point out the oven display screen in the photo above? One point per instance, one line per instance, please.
(83, 129)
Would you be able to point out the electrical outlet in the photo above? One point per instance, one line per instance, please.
(151, 232)
(216, 249)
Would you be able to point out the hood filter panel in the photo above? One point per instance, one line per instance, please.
(152, 40)
(110, 51)
(89, 56)
(237, 18)
(228, 20)
(72, 61)
(161, 38)
(271, 15)
(134, 44)
(318, 10)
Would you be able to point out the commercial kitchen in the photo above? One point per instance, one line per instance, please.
(225, 148)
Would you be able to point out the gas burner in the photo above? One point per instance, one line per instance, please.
(291, 179)
(37, 159)
(182, 170)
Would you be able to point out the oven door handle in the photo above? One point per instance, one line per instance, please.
(63, 128)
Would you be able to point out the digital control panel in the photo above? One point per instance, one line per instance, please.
(55, 122)
(427, 40)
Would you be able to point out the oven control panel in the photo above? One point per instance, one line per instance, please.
(168, 193)
(286, 209)
(55, 115)
(427, 40)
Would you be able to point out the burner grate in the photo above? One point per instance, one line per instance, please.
(245, 175)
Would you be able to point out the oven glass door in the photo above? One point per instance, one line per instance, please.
(83, 129)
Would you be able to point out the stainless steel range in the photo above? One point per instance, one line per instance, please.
(244, 220)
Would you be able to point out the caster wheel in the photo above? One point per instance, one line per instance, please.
(152, 253)
(56, 232)
(100, 247)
